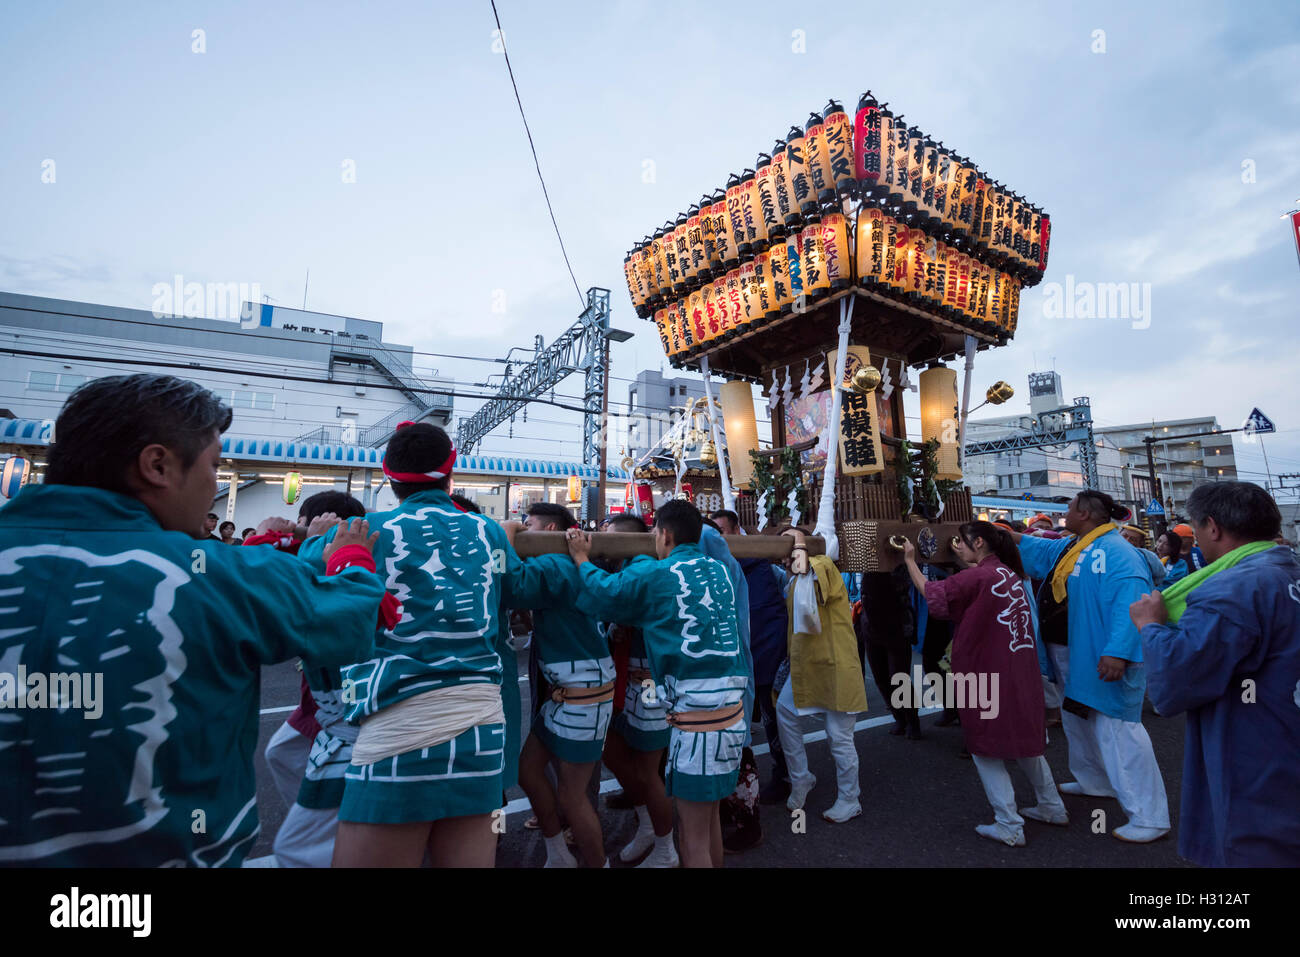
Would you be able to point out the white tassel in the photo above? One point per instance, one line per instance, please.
(804, 383)
(792, 503)
(762, 508)
(905, 382)
(774, 393)
(787, 390)
(886, 381)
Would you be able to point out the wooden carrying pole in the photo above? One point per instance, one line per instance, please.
(620, 545)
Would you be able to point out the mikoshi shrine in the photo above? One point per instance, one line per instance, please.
(854, 252)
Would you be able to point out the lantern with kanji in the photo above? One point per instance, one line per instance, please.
(14, 476)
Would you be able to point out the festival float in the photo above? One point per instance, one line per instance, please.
(858, 257)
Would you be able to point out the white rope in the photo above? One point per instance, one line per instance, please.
(826, 507)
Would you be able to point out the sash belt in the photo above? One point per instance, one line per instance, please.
(719, 719)
(596, 695)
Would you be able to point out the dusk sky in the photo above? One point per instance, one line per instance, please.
(1166, 157)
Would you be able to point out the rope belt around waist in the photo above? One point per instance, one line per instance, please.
(719, 719)
(595, 695)
(427, 720)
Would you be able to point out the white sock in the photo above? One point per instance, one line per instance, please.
(664, 844)
(558, 852)
(642, 839)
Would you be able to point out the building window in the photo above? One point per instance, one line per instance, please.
(54, 381)
(262, 401)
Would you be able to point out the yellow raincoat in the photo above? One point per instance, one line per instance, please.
(824, 668)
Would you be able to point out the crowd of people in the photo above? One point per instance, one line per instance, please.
(658, 667)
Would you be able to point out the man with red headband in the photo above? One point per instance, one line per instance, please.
(426, 770)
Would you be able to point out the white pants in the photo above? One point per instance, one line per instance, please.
(1113, 757)
(1002, 794)
(1054, 691)
(839, 732)
(306, 838)
(286, 756)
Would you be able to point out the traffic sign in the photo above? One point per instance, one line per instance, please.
(1257, 423)
(1155, 508)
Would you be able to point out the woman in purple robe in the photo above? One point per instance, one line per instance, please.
(995, 676)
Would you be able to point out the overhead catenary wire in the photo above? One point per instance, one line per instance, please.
(501, 35)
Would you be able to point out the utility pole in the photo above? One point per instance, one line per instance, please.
(604, 430)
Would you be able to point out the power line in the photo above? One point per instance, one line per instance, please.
(501, 35)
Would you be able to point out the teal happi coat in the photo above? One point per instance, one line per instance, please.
(686, 607)
(130, 660)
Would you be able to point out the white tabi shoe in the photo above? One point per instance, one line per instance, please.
(1133, 834)
(1052, 815)
(1002, 834)
(641, 842)
(799, 793)
(842, 811)
(1075, 788)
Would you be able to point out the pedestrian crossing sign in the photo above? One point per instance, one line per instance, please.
(1257, 423)
(1155, 508)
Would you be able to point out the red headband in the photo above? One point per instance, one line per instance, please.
(442, 471)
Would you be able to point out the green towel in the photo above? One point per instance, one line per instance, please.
(1176, 594)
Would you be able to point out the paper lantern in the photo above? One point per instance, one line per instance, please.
(889, 272)
(633, 292)
(794, 268)
(764, 183)
(575, 489)
(835, 247)
(928, 256)
(940, 417)
(796, 160)
(721, 308)
(929, 173)
(709, 308)
(694, 245)
(723, 239)
(963, 284)
(665, 337)
(998, 217)
(752, 212)
(682, 319)
(866, 143)
(736, 218)
(949, 256)
(993, 311)
(916, 141)
(918, 243)
(839, 152)
(942, 178)
(1046, 234)
(659, 261)
(816, 283)
(742, 430)
(952, 177)
(647, 270)
(695, 311)
(968, 179)
(814, 144)
(14, 476)
(1013, 305)
(778, 261)
(707, 239)
(871, 246)
(1035, 237)
(899, 136)
(902, 244)
(979, 210)
(785, 209)
(764, 290)
(735, 304)
(681, 252)
(750, 308)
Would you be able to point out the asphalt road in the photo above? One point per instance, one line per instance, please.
(920, 803)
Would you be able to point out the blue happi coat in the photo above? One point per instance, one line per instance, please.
(1241, 760)
(1108, 577)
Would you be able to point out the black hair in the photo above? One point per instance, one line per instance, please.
(1101, 506)
(680, 519)
(465, 504)
(1018, 526)
(340, 503)
(635, 523)
(553, 512)
(224, 524)
(419, 447)
(212, 515)
(1241, 509)
(1175, 545)
(728, 514)
(997, 539)
(248, 531)
(107, 422)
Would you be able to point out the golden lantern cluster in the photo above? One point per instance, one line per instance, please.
(780, 236)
